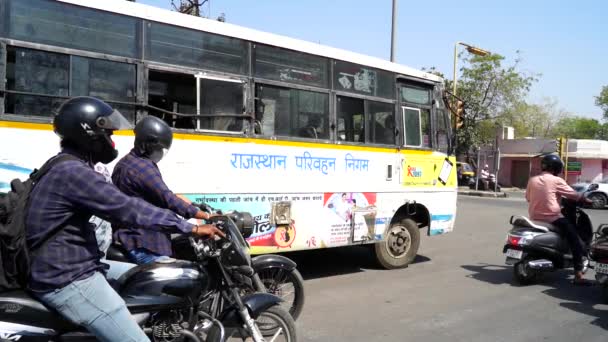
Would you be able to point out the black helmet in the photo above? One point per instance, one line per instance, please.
(86, 124)
(153, 138)
(552, 163)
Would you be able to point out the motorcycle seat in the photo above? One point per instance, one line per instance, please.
(523, 221)
(117, 253)
(20, 307)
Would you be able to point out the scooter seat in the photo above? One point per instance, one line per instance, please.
(523, 221)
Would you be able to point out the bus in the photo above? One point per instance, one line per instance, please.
(324, 147)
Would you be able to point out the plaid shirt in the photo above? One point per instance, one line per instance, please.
(140, 177)
(65, 198)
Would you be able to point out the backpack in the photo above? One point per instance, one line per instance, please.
(14, 254)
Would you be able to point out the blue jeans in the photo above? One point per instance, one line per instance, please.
(94, 305)
(142, 256)
(117, 269)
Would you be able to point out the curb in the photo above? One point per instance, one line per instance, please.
(483, 194)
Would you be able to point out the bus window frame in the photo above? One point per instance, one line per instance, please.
(402, 82)
(403, 121)
(278, 84)
(206, 76)
(365, 98)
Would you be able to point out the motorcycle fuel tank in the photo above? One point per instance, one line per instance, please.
(176, 278)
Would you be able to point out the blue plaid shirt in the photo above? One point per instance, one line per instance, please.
(65, 198)
(140, 177)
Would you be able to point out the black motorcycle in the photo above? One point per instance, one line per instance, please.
(536, 247)
(273, 273)
(173, 301)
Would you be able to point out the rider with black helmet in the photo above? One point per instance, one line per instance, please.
(544, 193)
(66, 272)
(137, 174)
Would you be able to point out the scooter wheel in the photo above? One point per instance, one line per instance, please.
(524, 275)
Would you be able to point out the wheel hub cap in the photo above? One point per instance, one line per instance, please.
(398, 241)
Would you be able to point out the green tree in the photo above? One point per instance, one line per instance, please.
(602, 101)
(490, 90)
(579, 128)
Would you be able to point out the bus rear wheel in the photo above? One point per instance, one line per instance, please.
(400, 245)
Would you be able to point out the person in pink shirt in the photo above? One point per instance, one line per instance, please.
(543, 194)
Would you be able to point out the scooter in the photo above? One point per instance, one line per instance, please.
(599, 256)
(534, 247)
(179, 300)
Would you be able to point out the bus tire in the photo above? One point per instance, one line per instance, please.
(400, 245)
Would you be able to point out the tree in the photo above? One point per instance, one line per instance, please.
(602, 101)
(192, 7)
(489, 91)
(579, 128)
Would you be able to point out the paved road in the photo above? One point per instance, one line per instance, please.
(458, 290)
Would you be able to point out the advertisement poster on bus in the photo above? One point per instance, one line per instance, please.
(341, 215)
(266, 238)
(351, 215)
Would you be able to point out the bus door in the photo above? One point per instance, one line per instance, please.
(222, 99)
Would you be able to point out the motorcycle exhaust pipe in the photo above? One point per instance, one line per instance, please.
(541, 265)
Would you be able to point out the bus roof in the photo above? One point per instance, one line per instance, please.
(202, 24)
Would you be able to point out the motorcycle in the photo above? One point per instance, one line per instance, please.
(272, 273)
(168, 301)
(534, 247)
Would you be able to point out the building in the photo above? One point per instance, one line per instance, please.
(520, 159)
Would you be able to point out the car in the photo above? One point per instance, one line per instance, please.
(599, 196)
(465, 173)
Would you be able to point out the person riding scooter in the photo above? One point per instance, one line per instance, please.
(544, 193)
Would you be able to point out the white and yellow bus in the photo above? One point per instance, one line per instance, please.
(324, 147)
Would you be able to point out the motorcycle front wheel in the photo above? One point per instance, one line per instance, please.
(275, 324)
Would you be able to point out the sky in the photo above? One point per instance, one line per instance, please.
(565, 41)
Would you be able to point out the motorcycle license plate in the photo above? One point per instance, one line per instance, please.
(514, 253)
(601, 268)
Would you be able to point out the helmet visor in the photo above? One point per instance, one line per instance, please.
(115, 122)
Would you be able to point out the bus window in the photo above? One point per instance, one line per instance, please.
(180, 46)
(425, 127)
(292, 112)
(221, 98)
(381, 118)
(173, 92)
(290, 66)
(40, 73)
(57, 23)
(442, 130)
(107, 80)
(351, 112)
(412, 127)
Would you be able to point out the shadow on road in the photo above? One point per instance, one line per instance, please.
(493, 274)
(581, 299)
(584, 300)
(337, 261)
